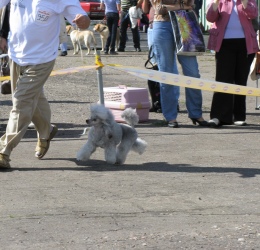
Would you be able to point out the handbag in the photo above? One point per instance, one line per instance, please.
(187, 33)
(4, 67)
(6, 87)
(153, 87)
(5, 71)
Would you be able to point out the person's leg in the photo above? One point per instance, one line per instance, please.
(63, 37)
(190, 68)
(123, 29)
(244, 62)
(163, 42)
(115, 18)
(222, 103)
(64, 49)
(109, 18)
(153, 87)
(29, 104)
(136, 37)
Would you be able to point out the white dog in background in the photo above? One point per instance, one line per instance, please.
(103, 30)
(116, 139)
(69, 28)
(86, 37)
(134, 15)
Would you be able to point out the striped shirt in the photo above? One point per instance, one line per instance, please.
(126, 4)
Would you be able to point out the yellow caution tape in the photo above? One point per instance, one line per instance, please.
(72, 70)
(167, 78)
(188, 82)
(98, 60)
(61, 71)
(3, 78)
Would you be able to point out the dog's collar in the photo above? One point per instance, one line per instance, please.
(103, 29)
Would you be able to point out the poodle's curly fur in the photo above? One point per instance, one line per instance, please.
(116, 139)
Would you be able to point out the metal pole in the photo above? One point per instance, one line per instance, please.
(256, 99)
(100, 78)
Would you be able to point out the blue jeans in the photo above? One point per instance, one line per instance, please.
(164, 47)
(112, 23)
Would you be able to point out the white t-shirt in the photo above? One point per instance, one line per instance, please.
(35, 27)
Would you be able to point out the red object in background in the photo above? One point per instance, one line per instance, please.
(92, 7)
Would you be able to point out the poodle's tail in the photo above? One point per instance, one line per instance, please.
(130, 116)
(139, 146)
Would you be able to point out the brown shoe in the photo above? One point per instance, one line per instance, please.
(43, 145)
(4, 161)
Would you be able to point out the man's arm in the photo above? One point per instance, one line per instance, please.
(102, 5)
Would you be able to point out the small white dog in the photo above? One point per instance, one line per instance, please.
(116, 139)
(134, 15)
(86, 37)
(103, 30)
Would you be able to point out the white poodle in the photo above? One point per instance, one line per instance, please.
(116, 139)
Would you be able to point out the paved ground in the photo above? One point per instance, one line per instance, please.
(194, 188)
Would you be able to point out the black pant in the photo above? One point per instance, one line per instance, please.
(232, 66)
(124, 23)
(112, 24)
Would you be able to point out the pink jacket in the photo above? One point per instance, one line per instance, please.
(220, 19)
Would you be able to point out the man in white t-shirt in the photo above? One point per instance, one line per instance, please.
(32, 49)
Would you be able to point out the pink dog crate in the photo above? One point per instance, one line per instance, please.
(117, 99)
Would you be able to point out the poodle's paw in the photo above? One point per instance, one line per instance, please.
(81, 157)
(119, 163)
(113, 162)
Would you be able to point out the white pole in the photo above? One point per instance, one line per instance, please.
(100, 81)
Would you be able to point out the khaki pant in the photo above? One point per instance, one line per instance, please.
(29, 104)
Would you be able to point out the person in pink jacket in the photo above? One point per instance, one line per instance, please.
(233, 39)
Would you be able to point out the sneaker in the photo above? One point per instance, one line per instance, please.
(214, 123)
(113, 53)
(4, 161)
(173, 124)
(63, 53)
(240, 123)
(31, 125)
(106, 52)
(138, 50)
(121, 50)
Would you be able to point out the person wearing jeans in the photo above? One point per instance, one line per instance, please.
(63, 37)
(112, 7)
(164, 47)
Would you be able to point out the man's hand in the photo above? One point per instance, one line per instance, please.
(3, 44)
(82, 21)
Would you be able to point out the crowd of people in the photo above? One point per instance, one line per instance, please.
(231, 36)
